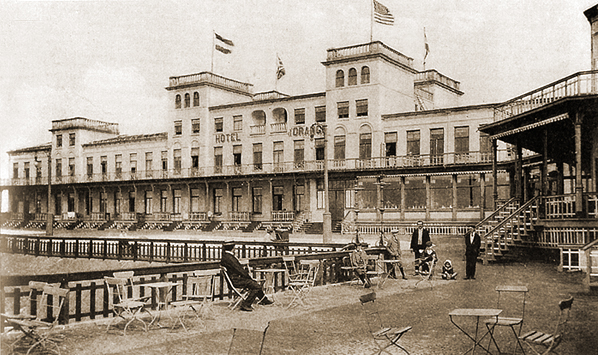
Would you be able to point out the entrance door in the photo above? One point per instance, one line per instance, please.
(337, 206)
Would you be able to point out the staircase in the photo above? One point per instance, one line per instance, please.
(514, 229)
(299, 221)
(504, 211)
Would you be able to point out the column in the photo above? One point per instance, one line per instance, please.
(494, 175)
(578, 182)
(518, 173)
(402, 179)
(482, 195)
(544, 172)
(428, 198)
(454, 209)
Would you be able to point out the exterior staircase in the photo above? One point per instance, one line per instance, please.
(500, 234)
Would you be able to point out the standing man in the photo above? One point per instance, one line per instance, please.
(472, 249)
(394, 250)
(240, 278)
(418, 243)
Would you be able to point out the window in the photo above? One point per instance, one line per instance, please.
(117, 203)
(38, 203)
(257, 200)
(187, 100)
(58, 140)
(413, 142)
(71, 139)
(319, 146)
(237, 123)
(278, 156)
(195, 125)
(176, 201)
(89, 166)
(15, 170)
(104, 164)
(437, 145)
(148, 202)
(58, 203)
(218, 193)
(133, 162)
(485, 144)
(237, 149)
(131, 201)
(320, 194)
(298, 192)
(339, 147)
(343, 109)
(71, 166)
(390, 140)
(361, 107)
(149, 157)
(299, 116)
(365, 145)
(103, 202)
(461, 139)
(164, 160)
(352, 77)
(236, 199)
(26, 170)
(277, 197)
(163, 200)
(320, 113)
(178, 128)
(194, 200)
(218, 160)
(257, 156)
(340, 78)
(177, 160)
(177, 101)
(218, 124)
(118, 165)
(59, 168)
(196, 99)
(299, 154)
(195, 158)
(365, 75)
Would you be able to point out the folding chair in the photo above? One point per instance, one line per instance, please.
(549, 342)
(349, 268)
(237, 295)
(134, 291)
(247, 341)
(302, 287)
(510, 295)
(198, 296)
(129, 309)
(42, 330)
(384, 337)
(292, 271)
(376, 269)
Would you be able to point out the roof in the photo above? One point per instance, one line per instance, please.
(130, 138)
(46, 146)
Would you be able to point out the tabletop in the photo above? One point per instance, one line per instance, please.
(511, 288)
(476, 312)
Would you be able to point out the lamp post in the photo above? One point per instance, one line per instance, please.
(381, 207)
(357, 189)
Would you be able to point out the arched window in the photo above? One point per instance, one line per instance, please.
(365, 75)
(340, 78)
(279, 115)
(187, 100)
(259, 117)
(196, 99)
(177, 101)
(365, 142)
(352, 76)
(339, 143)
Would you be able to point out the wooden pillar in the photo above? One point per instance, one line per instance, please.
(428, 198)
(518, 173)
(525, 183)
(578, 168)
(482, 195)
(454, 209)
(544, 172)
(494, 174)
(402, 180)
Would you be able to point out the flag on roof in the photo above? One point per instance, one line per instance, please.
(426, 46)
(382, 15)
(223, 45)
(280, 72)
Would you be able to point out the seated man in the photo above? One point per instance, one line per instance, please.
(359, 260)
(240, 278)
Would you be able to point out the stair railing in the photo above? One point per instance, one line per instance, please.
(493, 231)
(491, 216)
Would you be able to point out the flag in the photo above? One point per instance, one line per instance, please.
(280, 72)
(426, 46)
(224, 45)
(382, 15)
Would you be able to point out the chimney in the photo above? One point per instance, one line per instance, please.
(592, 16)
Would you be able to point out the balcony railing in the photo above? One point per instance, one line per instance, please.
(258, 129)
(207, 77)
(368, 48)
(393, 162)
(578, 84)
(278, 127)
(238, 216)
(84, 123)
(283, 216)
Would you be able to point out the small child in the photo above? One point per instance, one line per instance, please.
(428, 259)
(447, 271)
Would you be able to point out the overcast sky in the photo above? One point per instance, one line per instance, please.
(111, 60)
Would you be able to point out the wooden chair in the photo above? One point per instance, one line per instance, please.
(238, 295)
(42, 331)
(383, 336)
(548, 342)
(302, 287)
(292, 271)
(509, 318)
(349, 268)
(127, 308)
(247, 341)
(198, 296)
(375, 269)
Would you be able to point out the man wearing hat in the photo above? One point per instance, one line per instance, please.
(394, 250)
(418, 242)
(472, 250)
(241, 278)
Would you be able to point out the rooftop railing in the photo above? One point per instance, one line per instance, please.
(368, 48)
(84, 123)
(433, 75)
(207, 77)
(578, 84)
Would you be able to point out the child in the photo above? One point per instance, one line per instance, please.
(447, 271)
(428, 259)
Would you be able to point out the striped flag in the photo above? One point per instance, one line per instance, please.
(382, 15)
(426, 46)
(280, 72)
(224, 45)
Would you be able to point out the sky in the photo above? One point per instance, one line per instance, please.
(111, 60)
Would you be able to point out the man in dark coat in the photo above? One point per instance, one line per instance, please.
(418, 242)
(241, 278)
(472, 250)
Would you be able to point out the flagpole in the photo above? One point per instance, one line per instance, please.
(371, 21)
(213, 45)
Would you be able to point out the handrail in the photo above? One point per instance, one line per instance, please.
(498, 210)
(504, 221)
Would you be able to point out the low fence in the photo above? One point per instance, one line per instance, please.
(152, 250)
(88, 295)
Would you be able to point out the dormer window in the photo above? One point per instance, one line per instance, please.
(340, 78)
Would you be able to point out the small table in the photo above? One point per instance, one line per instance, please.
(386, 274)
(163, 288)
(269, 279)
(477, 313)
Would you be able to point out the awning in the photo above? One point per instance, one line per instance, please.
(530, 126)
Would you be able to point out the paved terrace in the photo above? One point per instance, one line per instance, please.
(333, 323)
